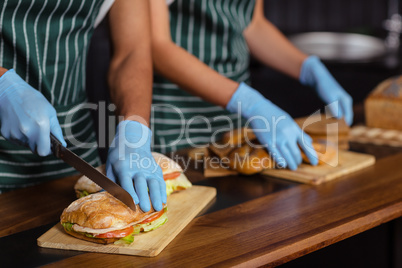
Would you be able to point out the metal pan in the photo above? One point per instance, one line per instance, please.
(341, 47)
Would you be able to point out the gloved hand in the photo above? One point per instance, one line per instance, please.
(315, 74)
(273, 127)
(131, 164)
(26, 116)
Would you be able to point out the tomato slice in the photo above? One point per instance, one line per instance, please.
(153, 217)
(171, 176)
(118, 233)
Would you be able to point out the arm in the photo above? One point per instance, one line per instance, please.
(191, 74)
(130, 71)
(2, 71)
(263, 38)
(272, 48)
(170, 60)
(129, 161)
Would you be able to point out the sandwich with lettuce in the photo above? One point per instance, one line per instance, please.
(173, 175)
(103, 219)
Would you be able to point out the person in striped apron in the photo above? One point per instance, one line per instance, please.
(200, 89)
(43, 50)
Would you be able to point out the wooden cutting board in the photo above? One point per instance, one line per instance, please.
(182, 208)
(346, 163)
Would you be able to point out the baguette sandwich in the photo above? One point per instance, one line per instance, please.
(84, 186)
(172, 173)
(103, 219)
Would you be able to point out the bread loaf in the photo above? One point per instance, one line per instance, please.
(383, 107)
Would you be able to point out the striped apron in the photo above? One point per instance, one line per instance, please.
(46, 42)
(212, 30)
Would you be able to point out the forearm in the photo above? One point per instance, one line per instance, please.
(268, 45)
(130, 83)
(130, 71)
(184, 69)
(2, 71)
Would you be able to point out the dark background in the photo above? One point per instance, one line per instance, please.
(294, 16)
(291, 17)
(376, 247)
(345, 16)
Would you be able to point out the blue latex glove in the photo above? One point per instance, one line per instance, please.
(315, 74)
(26, 116)
(273, 127)
(131, 164)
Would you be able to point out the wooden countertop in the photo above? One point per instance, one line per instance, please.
(271, 229)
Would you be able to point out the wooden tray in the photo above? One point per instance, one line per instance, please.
(347, 162)
(182, 208)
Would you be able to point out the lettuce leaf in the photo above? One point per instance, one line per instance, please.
(180, 182)
(127, 240)
(146, 227)
(68, 226)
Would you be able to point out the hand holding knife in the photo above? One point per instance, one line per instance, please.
(93, 174)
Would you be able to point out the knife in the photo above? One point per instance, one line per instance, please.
(93, 174)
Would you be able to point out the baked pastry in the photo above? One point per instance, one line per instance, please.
(320, 128)
(249, 160)
(326, 152)
(238, 137)
(198, 153)
(243, 154)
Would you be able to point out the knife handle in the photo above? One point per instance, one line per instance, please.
(55, 146)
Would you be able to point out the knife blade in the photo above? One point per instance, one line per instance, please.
(93, 174)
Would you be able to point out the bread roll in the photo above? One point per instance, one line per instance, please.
(198, 154)
(248, 160)
(326, 152)
(238, 137)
